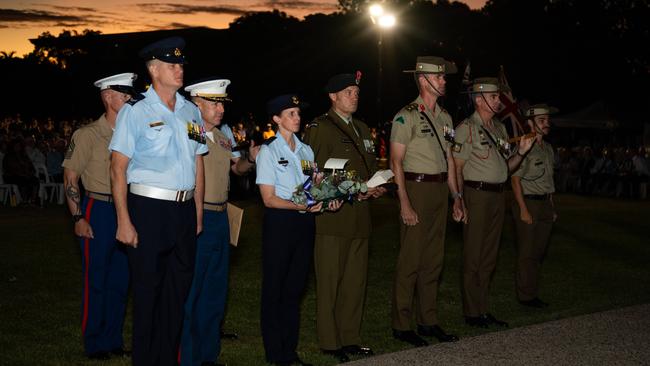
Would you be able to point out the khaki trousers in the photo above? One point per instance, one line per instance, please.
(341, 266)
(481, 236)
(420, 259)
(532, 241)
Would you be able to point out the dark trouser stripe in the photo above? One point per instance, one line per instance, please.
(84, 321)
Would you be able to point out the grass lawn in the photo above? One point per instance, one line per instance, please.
(598, 260)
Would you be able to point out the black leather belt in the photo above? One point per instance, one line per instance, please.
(537, 197)
(100, 196)
(420, 177)
(484, 186)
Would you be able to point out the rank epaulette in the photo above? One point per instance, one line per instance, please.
(132, 101)
(313, 124)
(269, 140)
(411, 107)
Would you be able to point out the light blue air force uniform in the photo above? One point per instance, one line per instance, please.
(231, 136)
(278, 166)
(286, 254)
(156, 141)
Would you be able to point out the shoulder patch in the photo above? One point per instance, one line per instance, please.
(399, 119)
(411, 107)
(269, 140)
(313, 124)
(70, 151)
(321, 118)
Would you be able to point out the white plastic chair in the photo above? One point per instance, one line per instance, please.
(6, 190)
(56, 189)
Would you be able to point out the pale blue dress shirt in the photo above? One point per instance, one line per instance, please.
(278, 166)
(156, 141)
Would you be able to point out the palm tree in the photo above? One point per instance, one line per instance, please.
(7, 55)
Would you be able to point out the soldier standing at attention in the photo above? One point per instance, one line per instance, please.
(287, 231)
(425, 175)
(483, 160)
(533, 209)
(104, 262)
(157, 182)
(341, 247)
(204, 308)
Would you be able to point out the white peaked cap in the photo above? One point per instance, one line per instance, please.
(209, 89)
(125, 79)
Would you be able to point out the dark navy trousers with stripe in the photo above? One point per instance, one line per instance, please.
(105, 280)
(204, 308)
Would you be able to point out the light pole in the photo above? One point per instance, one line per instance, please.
(382, 20)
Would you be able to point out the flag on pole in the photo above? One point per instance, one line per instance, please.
(466, 79)
(464, 101)
(510, 109)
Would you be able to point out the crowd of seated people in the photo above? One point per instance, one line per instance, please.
(27, 145)
(613, 171)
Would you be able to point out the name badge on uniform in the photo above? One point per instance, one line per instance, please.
(346, 141)
(156, 124)
(196, 132)
(538, 163)
(369, 145)
(283, 162)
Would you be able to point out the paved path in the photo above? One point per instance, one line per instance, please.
(617, 337)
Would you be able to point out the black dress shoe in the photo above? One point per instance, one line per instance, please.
(121, 352)
(100, 355)
(299, 362)
(476, 321)
(491, 320)
(339, 354)
(409, 336)
(358, 350)
(534, 303)
(225, 335)
(436, 331)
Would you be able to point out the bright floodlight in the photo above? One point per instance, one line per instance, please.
(386, 21)
(376, 10)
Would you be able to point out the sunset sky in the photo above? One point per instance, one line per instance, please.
(24, 19)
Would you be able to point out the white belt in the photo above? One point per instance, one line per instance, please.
(161, 193)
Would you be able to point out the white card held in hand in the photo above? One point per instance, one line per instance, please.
(335, 163)
(381, 177)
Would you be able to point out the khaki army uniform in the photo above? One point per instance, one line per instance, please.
(484, 173)
(536, 173)
(421, 246)
(341, 245)
(217, 169)
(88, 155)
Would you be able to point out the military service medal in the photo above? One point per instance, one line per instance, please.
(196, 132)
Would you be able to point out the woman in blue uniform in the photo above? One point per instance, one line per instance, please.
(287, 233)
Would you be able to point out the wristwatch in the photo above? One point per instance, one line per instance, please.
(458, 195)
(76, 218)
